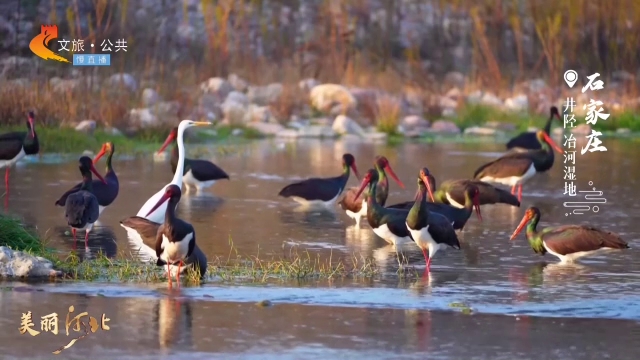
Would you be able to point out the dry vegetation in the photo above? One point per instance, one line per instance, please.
(547, 37)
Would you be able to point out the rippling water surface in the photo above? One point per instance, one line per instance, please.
(587, 310)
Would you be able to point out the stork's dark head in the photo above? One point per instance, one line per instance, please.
(31, 118)
(350, 161)
(555, 113)
(171, 192)
(86, 168)
(383, 163)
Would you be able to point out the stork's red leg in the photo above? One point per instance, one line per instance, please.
(427, 259)
(73, 231)
(513, 190)
(86, 239)
(520, 193)
(169, 273)
(178, 275)
(6, 178)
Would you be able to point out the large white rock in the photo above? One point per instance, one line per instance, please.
(123, 80)
(19, 264)
(218, 86)
(323, 97)
(345, 125)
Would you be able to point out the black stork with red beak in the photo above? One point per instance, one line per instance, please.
(452, 192)
(567, 242)
(430, 231)
(15, 145)
(106, 193)
(176, 238)
(458, 216)
(81, 207)
(356, 207)
(200, 174)
(321, 191)
(528, 140)
(517, 168)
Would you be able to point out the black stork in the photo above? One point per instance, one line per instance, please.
(517, 168)
(357, 208)
(459, 216)
(105, 193)
(200, 174)
(176, 238)
(81, 207)
(389, 224)
(15, 145)
(529, 140)
(567, 242)
(147, 231)
(431, 231)
(321, 191)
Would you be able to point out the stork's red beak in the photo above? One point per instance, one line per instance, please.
(103, 151)
(521, 226)
(388, 169)
(365, 182)
(425, 180)
(164, 198)
(552, 143)
(95, 172)
(355, 171)
(168, 141)
(31, 121)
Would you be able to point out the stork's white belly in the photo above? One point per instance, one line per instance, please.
(189, 179)
(173, 252)
(512, 180)
(10, 162)
(384, 232)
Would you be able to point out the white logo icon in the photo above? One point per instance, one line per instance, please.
(570, 77)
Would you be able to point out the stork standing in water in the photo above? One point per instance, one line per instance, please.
(321, 191)
(105, 193)
(158, 213)
(16, 145)
(176, 238)
(81, 207)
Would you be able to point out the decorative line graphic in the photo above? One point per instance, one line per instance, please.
(594, 196)
(39, 43)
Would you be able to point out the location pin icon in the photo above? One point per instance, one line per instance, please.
(570, 77)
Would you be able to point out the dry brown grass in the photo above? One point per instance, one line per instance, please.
(388, 113)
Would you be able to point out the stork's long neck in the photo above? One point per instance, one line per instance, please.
(177, 176)
(419, 215)
(87, 181)
(170, 214)
(535, 241)
(109, 167)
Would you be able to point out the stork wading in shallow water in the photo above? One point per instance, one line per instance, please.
(197, 173)
(104, 193)
(175, 238)
(567, 242)
(157, 215)
(81, 207)
(517, 168)
(430, 231)
(459, 216)
(321, 191)
(452, 192)
(528, 140)
(356, 208)
(16, 145)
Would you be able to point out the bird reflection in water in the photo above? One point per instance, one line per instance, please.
(102, 240)
(360, 239)
(199, 206)
(418, 328)
(424, 285)
(393, 258)
(174, 321)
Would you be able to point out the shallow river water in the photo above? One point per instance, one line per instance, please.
(524, 305)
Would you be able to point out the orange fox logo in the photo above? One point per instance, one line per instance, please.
(39, 43)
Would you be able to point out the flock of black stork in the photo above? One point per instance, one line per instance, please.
(430, 219)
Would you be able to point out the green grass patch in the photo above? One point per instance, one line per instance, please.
(479, 115)
(624, 120)
(231, 268)
(68, 140)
